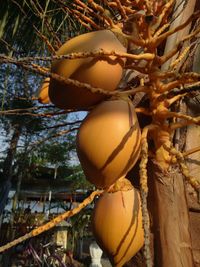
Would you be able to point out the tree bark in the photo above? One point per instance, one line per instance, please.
(172, 240)
(7, 176)
(7, 167)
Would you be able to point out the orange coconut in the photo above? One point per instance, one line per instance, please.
(108, 142)
(117, 225)
(43, 94)
(103, 72)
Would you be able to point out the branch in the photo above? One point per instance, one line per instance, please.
(169, 114)
(76, 55)
(191, 151)
(166, 9)
(93, 14)
(101, 10)
(47, 115)
(181, 92)
(180, 158)
(43, 71)
(41, 36)
(182, 79)
(53, 136)
(178, 46)
(121, 9)
(40, 13)
(53, 222)
(176, 29)
(62, 125)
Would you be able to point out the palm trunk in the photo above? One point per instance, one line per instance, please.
(172, 240)
(171, 225)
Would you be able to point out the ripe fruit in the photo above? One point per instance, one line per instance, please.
(43, 95)
(108, 142)
(117, 225)
(104, 72)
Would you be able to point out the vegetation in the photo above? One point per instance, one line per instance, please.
(160, 77)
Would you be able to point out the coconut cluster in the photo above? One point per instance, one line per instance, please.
(108, 140)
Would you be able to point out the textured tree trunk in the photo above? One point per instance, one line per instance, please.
(171, 225)
(193, 162)
(172, 240)
(7, 167)
(7, 175)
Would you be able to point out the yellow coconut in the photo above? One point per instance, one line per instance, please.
(117, 225)
(43, 94)
(108, 142)
(103, 72)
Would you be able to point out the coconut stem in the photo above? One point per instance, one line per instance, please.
(144, 194)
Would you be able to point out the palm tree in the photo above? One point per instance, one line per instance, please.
(39, 28)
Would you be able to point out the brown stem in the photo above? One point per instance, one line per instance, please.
(53, 222)
(191, 151)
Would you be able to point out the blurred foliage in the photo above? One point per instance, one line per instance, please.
(78, 178)
(55, 153)
(23, 22)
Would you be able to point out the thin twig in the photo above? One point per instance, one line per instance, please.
(53, 222)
